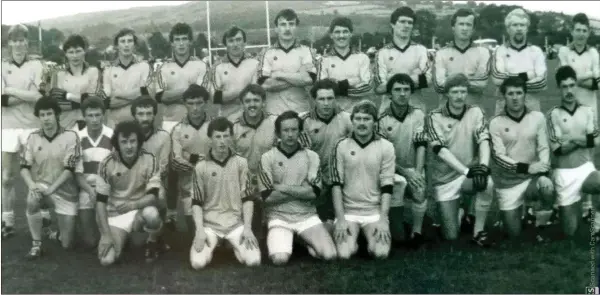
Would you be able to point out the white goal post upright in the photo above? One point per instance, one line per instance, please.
(211, 49)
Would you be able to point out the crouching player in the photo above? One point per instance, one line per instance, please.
(289, 184)
(459, 137)
(522, 156)
(362, 168)
(48, 168)
(127, 194)
(222, 207)
(403, 125)
(573, 135)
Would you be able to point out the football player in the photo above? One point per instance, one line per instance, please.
(403, 125)
(22, 86)
(73, 82)
(349, 68)
(573, 135)
(323, 127)
(518, 58)
(459, 138)
(462, 57)
(522, 156)
(125, 79)
(176, 74)
(127, 194)
(402, 55)
(288, 192)
(222, 205)
(230, 77)
(48, 168)
(362, 172)
(286, 68)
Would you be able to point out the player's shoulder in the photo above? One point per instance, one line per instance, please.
(70, 134)
(147, 156)
(553, 111)
(534, 48)
(111, 158)
(162, 132)
(438, 111)
(418, 46)
(107, 131)
(475, 110)
(304, 115)
(310, 153)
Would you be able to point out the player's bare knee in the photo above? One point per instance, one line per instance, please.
(199, 260)
(32, 206)
(280, 258)
(344, 252)
(252, 259)
(380, 251)
(109, 259)
(151, 217)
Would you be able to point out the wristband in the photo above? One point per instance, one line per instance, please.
(343, 87)
(84, 96)
(422, 81)
(101, 198)
(524, 76)
(159, 96)
(387, 189)
(144, 90)
(522, 168)
(218, 98)
(590, 140)
(194, 158)
(595, 84)
(5, 98)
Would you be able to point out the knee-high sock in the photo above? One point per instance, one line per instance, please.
(35, 225)
(483, 202)
(418, 213)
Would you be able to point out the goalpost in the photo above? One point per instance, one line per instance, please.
(211, 49)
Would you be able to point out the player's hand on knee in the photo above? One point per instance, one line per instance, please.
(381, 233)
(248, 239)
(125, 207)
(341, 231)
(479, 174)
(538, 167)
(200, 240)
(545, 186)
(106, 243)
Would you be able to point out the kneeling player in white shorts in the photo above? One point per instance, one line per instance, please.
(573, 136)
(127, 195)
(362, 169)
(522, 156)
(48, 168)
(222, 205)
(289, 192)
(460, 139)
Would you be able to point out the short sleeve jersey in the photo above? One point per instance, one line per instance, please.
(391, 59)
(514, 141)
(461, 134)
(295, 59)
(472, 61)
(277, 166)
(362, 170)
(406, 131)
(93, 152)
(354, 67)
(219, 188)
(122, 183)
(321, 136)
(28, 75)
(564, 124)
(77, 84)
(47, 158)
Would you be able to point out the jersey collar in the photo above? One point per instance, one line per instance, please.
(222, 164)
(399, 116)
(463, 50)
(518, 48)
(118, 63)
(585, 48)
(238, 63)
(342, 57)
(59, 130)
(245, 122)
(289, 155)
(129, 166)
(152, 132)
(286, 50)
(85, 67)
(577, 105)
(516, 119)
(314, 115)
(187, 120)
(402, 49)
(14, 62)
(181, 65)
(446, 112)
(364, 145)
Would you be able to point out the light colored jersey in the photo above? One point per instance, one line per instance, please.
(584, 63)
(391, 59)
(174, 75)
(77, 84)
(219, 188)
(510, 61)
(123, 184)
(119, 80)
(158, 143)
(406, 132)
(563, 125)
(472, 61)
(277, 166)
(297, 58)
(229, 75)
(517, 140)
(322, 135)
(188, 140)
(47, 158)
(93, 152)
(362, 170)
(26, 76)
(252, 141)
(354, 67)
(461, 135)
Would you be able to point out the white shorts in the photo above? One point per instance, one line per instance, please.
(124, 221)
(297, 227)
(513, 197)
(232, 236)
(362, 220)
(13, 140)
(397, 199)
(568, 183)
(64, 207)
(86, 201)
(449, 191)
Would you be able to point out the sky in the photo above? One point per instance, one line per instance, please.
(52, 9)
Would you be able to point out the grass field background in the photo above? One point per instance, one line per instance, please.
(512, 267)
